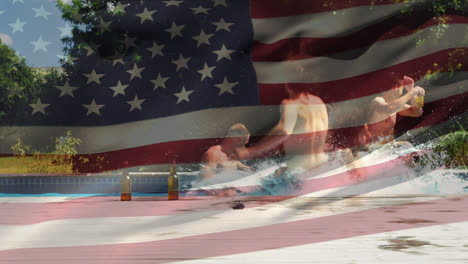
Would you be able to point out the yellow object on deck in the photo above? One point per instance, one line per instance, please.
(126, 185)
(173, 185)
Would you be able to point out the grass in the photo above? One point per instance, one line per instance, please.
(14, 165)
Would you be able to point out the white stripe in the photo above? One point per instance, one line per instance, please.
(195, 125)
(117, 230)
(36, 199)
(348, 64)
(325, 24)
(403, 246)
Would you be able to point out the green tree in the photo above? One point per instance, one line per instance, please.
(20, 85)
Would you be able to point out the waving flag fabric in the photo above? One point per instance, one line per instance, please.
(190, 69)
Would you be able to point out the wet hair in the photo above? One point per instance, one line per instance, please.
(239, 130)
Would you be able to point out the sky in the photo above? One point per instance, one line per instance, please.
(34, 28)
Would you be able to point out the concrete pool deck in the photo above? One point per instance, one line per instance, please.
(271, 229)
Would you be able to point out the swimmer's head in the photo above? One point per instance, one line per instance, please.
(239, 134)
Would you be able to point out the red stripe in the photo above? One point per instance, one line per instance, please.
(267, 8)
(102, 207)
(369, 83)
(305, 48)
(341, 226)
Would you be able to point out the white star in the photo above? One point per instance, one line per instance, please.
(159, 82)
(93, 77)
(119, 89)
(14, 1)
(40, 44)
(172, 3)
(183, 95)
(104, 26)
(38, 107)
(40, 12)
(135, 72)
(93, 108)
(136, 103)
(146, 15)
(200, 9)
(117, 61)
(203, 38)
(18, 26)
(129, 42)
(65, 31)
(181, 62)
(175, 30)
(206, 71)
(2, 11)
(119, 8)
(222, 25)
(223, 53)
(226, 87)
(219, 2)
(66, 89)
(156, 49)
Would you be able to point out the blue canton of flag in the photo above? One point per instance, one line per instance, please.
(178, 57)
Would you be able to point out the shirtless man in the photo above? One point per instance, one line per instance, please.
(384, 110)
(302, 129)
(223, 155)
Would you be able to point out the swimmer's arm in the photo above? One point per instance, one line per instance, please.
(276, 136)
(393, 107)
(412, 111)
(241, 166)
(211, 160)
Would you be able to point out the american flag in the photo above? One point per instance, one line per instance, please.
(190, 69)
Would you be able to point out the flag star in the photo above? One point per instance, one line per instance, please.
(135, 72)
(66, 89)
(200, 9)
(93, 77)
(183, 95)
(181, 62)
(38, 107)
(172, 3)
(156, 49)
(129, 42)
(119, 89)
(226, 86)
(2, 11)
(40, 44)
(117, 61)
(203, 38)
(146, 15)
(41, 12)
(65, 31)
(159, 82)
(222, 25)
(206, 71)
(223, 53)
(18, 26)
(89, 49)
(175, 30)
(219, 2)
(93, 108)
(120, 8)
(136, 103)
(103, 25)
(21, 1)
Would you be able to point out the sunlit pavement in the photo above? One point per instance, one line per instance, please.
(280, 229)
